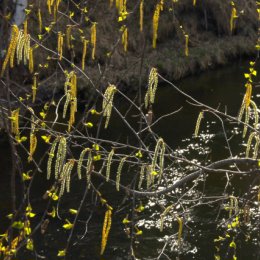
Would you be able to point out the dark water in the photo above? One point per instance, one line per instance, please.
(223, 89)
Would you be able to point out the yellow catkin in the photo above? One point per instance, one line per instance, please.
(109, 161)
(19, 47)
(68, 36)
(163, 215)
(60, 45)
(11, 49)
(256, 148)
(156, 17)
(194, 2)
(119, 171)
(73, 110)
(125, 39)
(33, 145)
(61, 156)
(26, 48)
(108, 103)
(197, 128)
(247, 117)
(255, 110)
(186, 44)
(66, 104)
(15, 122)
(71, 97)
(233, 16)
(39, 14)
(84, 53)
(141, 178)
(66, 176)
(89, 169)
(152, 87)
(34, 87)
(80, 162)
(180, 222)
(51, 156)
(105, 231)
(31, 60)
(49, 5)
(160, 146)
(55, 10)
(141, 11)
(248, 94)
(249, 142)
(93, 39)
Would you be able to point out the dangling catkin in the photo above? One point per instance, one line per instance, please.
(141, 10)
(141, 178)
(152, 87)
(109, 161)
(119, 171)
(33, 145)
(125, 38)
(68, 36)
(60, 45)
(60, 157)
(256, 148)
(247, 117)
(80, 161)
(93, 39)
(15, 122)
(11, 49)
(156, 17)
(39, 20)
(180, 222)
(84, 53)
(51, 156)
(249, 142)
(105, 230)
(31, 60)
(108, 103)
(166, 211)
(159, 143)
(89, 169)
(197, 128)
(255, 113)
(186, 44)
(34, 88)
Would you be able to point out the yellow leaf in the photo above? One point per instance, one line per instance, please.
(10, 216)
(29, 245)
(88, 124)
(139, 233)
(68, 225)
(96, 147)
(140, 208)
(61, 253)
(154, 173)
(52, 213)
(46, 138)
(31, 214)
(43, 115)
(47, 29)
(126, 221)
(73, 211)
(18, 225)
(97, 157)
(139, 154)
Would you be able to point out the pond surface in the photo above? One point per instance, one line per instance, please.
(223, 89)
